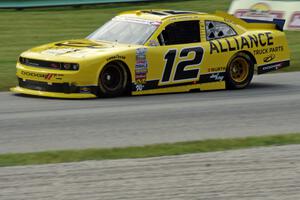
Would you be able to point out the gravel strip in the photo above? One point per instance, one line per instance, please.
(263, 173)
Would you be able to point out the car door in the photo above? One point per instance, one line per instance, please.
(176, 57)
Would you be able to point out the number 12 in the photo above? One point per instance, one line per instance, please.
(181, 73)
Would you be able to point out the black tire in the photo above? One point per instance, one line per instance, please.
(113, 80)
(239, 71)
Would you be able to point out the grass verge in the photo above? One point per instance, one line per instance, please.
(21, 30)
(156, 150)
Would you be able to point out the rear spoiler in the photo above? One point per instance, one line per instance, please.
(250, 23)
(278, 22)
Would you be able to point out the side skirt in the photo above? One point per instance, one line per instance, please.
(212, 81)
(272, 66)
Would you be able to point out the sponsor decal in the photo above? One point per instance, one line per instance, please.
(183, 18)
(216, 69)
(268, 50)
(139, 87)
(243, 42)
(116, 57)
(153, 43)
(295, 21)
(217, 77)
(269, 58)
(59, 51)
(82, 53)
(137, 20)
(212, 77)
(272, 67)
(156, 23)
(47, 76)
(141, 66)
(276, 66)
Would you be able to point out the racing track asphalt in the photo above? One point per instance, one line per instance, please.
(271, 105)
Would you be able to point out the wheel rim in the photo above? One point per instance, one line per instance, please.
(239, 70)
(111, 78)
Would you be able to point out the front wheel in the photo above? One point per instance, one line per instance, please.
(239, 72)
(112, 80)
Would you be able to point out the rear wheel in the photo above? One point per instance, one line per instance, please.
(239, 72)
(113, 80)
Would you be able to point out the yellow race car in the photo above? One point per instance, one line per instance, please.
(155, 51)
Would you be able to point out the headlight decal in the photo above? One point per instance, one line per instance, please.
(49, 64)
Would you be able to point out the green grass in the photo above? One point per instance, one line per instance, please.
(146, 151)
(21, 30)
(294, 44)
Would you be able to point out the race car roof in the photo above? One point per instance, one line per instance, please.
(158, 14)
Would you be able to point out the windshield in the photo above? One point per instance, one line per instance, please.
(125, 31)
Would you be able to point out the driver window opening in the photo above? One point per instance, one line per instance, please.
(180, 33)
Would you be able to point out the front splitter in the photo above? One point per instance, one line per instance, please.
(52, 94)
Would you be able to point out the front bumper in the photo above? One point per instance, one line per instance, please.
(57, 90)
(54, 83)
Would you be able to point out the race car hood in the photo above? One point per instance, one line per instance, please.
(74, 49)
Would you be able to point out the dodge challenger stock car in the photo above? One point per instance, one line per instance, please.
(155, 51)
